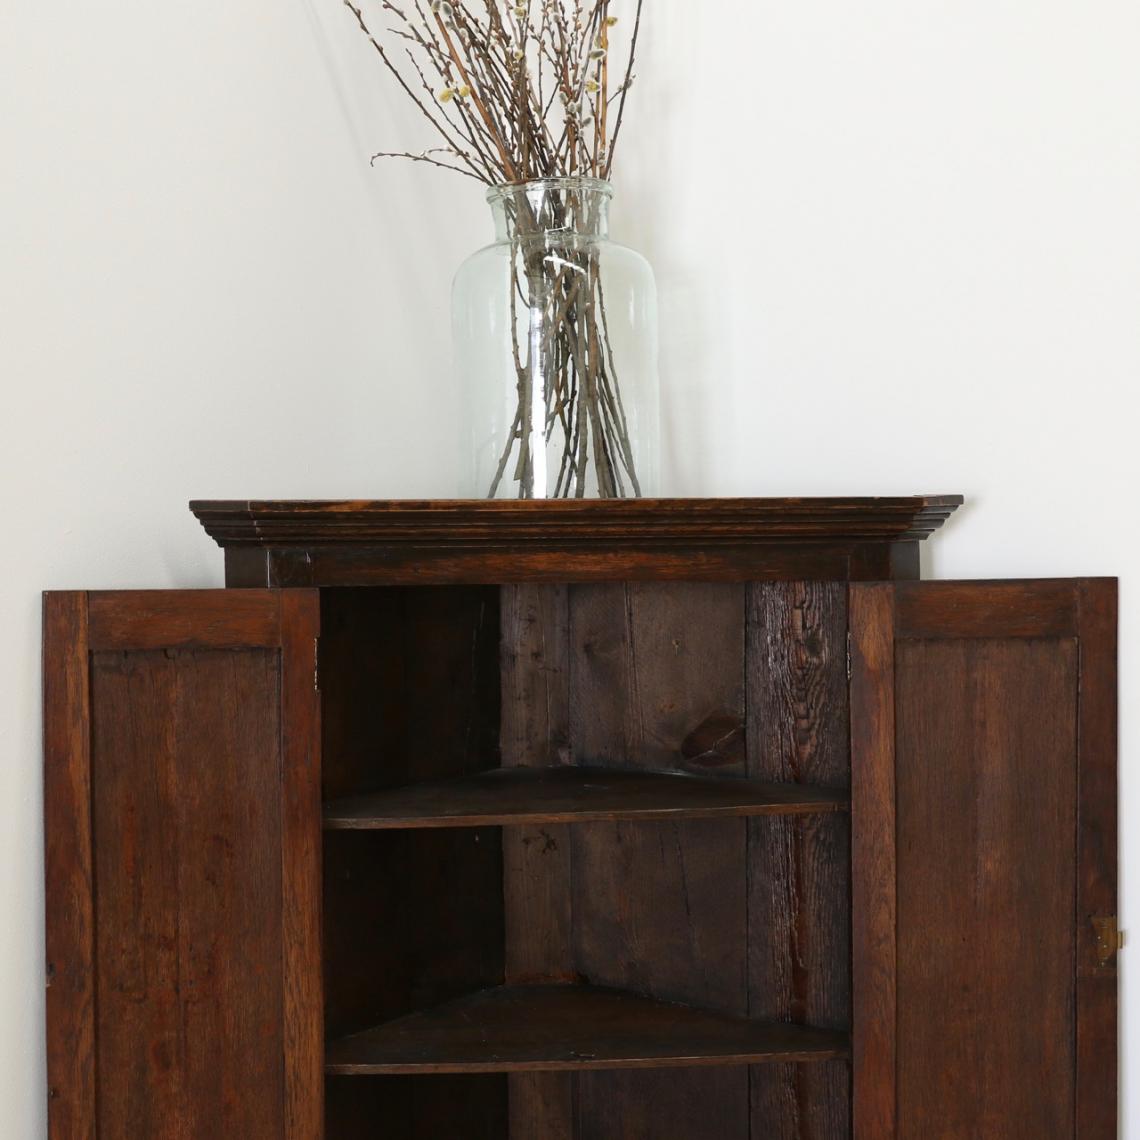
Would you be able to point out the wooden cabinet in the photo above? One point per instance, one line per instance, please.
(609, 821)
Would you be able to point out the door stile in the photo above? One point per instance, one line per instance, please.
(873, 860)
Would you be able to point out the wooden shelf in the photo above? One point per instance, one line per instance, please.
(573, 795)
(562, 1028)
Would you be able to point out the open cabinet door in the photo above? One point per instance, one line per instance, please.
(983, 727)
(182, 799)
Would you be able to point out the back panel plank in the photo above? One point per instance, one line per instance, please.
(657, 681)
(799, 869)
(986, 795)
(187, 825)
(535, 679)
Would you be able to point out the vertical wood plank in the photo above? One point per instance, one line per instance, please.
(799, 869)
(657, 681)
(986, 788)
(873, 856)
(1097, 987)
(188, 829)
(301, 866)
(663, 1104)
(70, 920)
(535, 733)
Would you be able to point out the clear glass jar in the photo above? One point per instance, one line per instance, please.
(556, 335)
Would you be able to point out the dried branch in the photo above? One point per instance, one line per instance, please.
(517, 89)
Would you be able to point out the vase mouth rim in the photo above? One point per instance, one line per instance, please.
(544, 185)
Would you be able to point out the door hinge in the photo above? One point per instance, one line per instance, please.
(848, 655)
(317, 664)
(1109, 939)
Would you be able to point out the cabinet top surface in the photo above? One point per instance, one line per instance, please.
(498, 522)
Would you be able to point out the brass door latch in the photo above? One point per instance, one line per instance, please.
(1109, 939)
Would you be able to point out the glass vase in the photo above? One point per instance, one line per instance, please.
(556, 332)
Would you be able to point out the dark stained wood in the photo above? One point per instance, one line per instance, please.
(301, 866)
(598, 522)
(535, 733)
(375, 543)
(188, 619)
(568, 795)
(873, 862)
(896, 562)
(70, 926)
(417, 1108)
(799, 911)
(1097, 843)
(571, 1028)
(986, 609)
(986, 803)
(663, 1104)
(999, 785)
(446, 565)
(410, 692)
(180, 773)
(543, 1104)
(659, 908)
(410, 686)
(248, 567)
(188, 870)
(510, 950)
(440, 890)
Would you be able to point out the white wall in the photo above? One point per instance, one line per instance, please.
(898, 243)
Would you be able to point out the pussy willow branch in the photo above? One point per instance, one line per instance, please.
(517, 90)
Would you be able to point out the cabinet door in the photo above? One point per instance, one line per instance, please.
(182, 826)
(983, 719)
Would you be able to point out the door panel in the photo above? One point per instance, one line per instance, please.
(183, 818)
(984, 809)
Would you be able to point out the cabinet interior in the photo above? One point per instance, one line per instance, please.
(688, 915)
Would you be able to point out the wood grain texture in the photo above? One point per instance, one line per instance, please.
(799, 869)
(185, 619)
(873, 863)
(543, 1104)
(393, 543)
(659, 908)
(68, 865)
(301, 867)
(571, 1028)
(664, 1104)
(535, 678)
(986, 795)
(1097, 842)
(603, 523)
(534, 660)
(1046, 608)
(188, 869)
(535, 796)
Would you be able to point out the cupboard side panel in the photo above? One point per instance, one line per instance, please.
(657, 682)
(799, 868)
(188, 830)
(986, 800)
(70, 918)
(410, 682)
